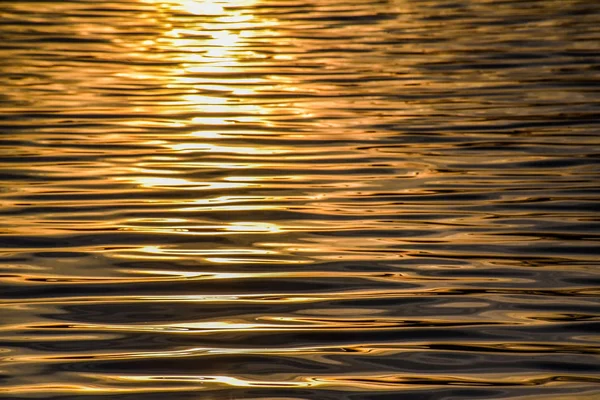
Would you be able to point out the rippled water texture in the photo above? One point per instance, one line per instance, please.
(299, 199)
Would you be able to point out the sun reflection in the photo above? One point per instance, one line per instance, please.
(204, 100)
(220, 380)
(213, 86)
(213, 105)
(203, 7)
(224, 39)
(212, 148)
(183, 184)
(253, 227)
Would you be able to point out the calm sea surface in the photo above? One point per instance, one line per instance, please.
(300, 199)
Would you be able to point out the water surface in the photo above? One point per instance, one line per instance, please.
(285, 199)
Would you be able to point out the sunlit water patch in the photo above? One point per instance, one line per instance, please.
(281, 199)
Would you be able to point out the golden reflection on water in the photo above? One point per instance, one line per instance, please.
(311, 199)
(205, 48)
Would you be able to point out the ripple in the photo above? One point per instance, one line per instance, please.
(333, 199)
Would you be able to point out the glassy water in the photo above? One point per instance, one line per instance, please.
(299, 199)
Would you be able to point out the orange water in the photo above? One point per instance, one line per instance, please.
(320, 199)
